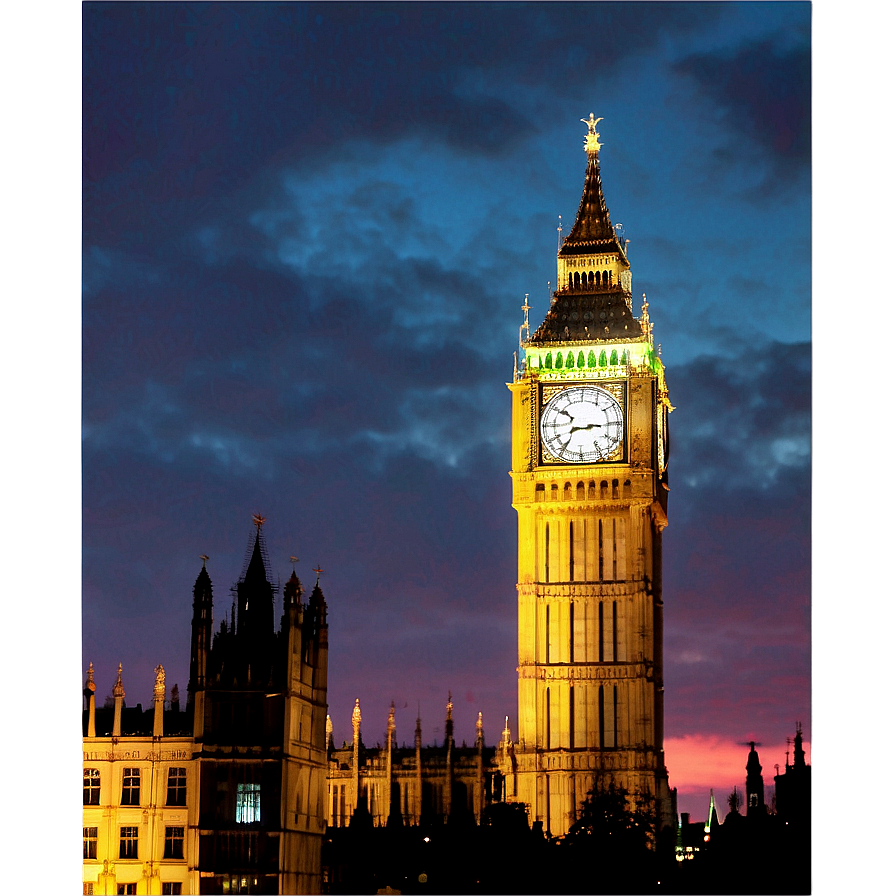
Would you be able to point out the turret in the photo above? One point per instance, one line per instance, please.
(480, 770)
(356, 754)
(200, 647)
(449, 755)
(201, 639)
(799, 754)
(292, 603)
(255, 614)
(418, 756)
(158, 703)
(90, 695)
(118, 697)
(314, 634)
(755, 786)
(390, 737)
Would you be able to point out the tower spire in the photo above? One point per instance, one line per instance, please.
(592, 224)
(593, 300)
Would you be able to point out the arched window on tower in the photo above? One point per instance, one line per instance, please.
(580, 491)
(539, 492)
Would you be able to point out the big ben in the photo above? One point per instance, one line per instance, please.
(589, 468)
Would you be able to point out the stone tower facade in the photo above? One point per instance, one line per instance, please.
(589, 459)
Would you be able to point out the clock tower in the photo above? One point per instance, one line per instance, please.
(589, 456)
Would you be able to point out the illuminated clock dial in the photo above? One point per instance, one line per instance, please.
(582, 425)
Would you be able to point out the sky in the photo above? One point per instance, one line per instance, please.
(307, 234)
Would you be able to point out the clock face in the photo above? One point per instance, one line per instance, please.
(582, 425)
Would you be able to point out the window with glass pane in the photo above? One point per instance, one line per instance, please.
(177, 787)
(172, 887)
(248, 803)
(174, 843)
(90, 843)
(125, 889)
(91, 786)
(130, 787)
(128, 843)
(88, 888)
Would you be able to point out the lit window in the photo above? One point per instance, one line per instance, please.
(88, 888)
(90, 843)
(174, 843)
(128, 843)
(128, 888)
(91, 786)
(248, 803)
(130, 787)
(177, 787)
(171, 887)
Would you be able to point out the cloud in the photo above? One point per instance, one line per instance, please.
(760, 91)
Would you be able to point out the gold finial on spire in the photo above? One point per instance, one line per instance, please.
(118, 689)
(591, 138)
(203, 558)
(318, 570)
(159, 687)
(449, 706)
(356, 715)
(259, 520)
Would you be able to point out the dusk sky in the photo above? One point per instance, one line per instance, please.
(307, 234)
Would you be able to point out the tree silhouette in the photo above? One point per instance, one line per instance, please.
(610, 848)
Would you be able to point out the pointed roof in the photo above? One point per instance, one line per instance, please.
(588, 318)
(255, 569)
(598, 309)
(592, 231)
(592, 227)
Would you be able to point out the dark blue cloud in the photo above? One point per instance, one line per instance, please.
(759, 93)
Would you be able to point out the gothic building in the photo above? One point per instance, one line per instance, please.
(230, 797)
(589, 470)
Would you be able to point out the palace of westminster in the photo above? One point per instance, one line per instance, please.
(236, 791)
